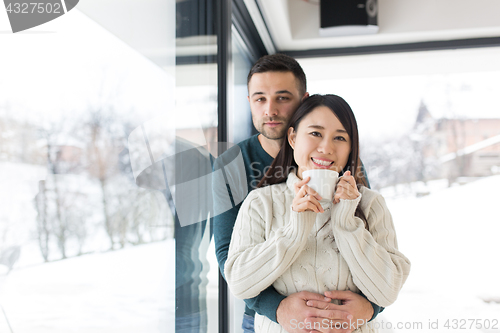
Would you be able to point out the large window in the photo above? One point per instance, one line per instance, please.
(429, 125)
(103, 117)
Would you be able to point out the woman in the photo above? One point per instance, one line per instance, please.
(283, 236)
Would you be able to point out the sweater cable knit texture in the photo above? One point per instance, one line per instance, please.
(273, 245)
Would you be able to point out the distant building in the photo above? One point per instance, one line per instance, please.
(464, 147)
(19, 143)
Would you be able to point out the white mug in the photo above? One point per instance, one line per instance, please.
(322, 181)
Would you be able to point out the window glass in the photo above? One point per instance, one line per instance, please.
(429, 126)
(240, 116)
(81, 244)
(96, 124)
(239, 129)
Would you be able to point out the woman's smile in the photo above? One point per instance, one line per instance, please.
(321, 162)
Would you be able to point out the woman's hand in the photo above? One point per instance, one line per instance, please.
(306, 198)
(346, 188)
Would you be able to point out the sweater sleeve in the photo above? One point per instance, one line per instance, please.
(377, 267)
(267, 302)
(254, 261)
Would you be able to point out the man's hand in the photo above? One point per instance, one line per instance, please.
(356, 305)
(293, 311)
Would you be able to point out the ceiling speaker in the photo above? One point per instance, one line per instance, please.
(348, 17)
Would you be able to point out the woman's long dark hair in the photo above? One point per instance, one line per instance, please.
(284, 161)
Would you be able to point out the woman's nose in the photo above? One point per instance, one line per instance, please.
(326, 147)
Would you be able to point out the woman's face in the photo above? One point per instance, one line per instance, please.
(320, 142)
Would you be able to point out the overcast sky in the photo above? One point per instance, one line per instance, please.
(61, 67)
(385, 100)
(64, 66)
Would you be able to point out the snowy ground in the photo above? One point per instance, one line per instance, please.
(130, 290)
(126, 291)
(450, 236)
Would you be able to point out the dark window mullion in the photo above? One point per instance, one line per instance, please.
(223, 30)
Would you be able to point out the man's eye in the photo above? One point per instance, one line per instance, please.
(283, 98)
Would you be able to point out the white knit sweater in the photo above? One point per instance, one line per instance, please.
(273, 245)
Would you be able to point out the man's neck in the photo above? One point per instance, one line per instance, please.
(272, 147)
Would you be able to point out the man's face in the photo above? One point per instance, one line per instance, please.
(273, 97)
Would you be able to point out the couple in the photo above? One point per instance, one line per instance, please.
(297, 264)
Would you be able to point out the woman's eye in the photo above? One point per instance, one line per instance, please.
(340, 138)
(315, 133)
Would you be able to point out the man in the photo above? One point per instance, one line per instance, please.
(276, 86)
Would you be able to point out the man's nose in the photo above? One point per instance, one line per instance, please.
(271, 109)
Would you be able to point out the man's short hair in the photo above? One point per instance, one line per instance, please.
(280, 63)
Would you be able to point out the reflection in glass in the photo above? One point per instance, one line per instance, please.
(81, 245)
(189, 173)
(239, 128)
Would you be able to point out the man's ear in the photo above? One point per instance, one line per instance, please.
(305, 96)
(291, 137)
